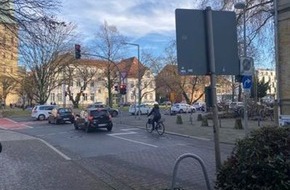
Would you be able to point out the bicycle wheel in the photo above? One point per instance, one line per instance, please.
(160, 128)
(149, 127)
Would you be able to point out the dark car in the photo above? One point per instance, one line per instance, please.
(114, 112)
(61, 115)
(93, 118)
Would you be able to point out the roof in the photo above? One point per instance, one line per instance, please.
(131, 66)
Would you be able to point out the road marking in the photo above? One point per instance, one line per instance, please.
(116, 135)
(54, 149)
(130, 129)
(128, 133)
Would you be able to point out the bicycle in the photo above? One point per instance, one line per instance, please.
(159, 127)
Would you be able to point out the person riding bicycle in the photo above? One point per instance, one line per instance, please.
(155, 112)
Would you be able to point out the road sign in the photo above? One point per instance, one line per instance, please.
(191, 42)
(246, 66)
(247, 82)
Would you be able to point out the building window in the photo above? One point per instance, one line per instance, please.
(52, 97)
(151, 96)
(78, 83)
(99, 91)
(59, 97)
(85, 96)
(92, 97)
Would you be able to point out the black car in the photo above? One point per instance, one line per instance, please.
(93, 118)
(61, 115)
(114, 112)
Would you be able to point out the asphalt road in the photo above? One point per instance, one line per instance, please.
(49, 156)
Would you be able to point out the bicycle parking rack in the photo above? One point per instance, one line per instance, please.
(189, 155)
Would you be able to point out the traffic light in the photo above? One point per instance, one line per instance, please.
(123, 89)
(77, 51)
(116, 88)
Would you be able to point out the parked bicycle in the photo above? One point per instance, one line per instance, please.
(159, 126)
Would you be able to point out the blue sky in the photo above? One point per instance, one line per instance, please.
(149, 23)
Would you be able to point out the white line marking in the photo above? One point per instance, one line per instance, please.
(138, 142)
(11, 120)
(131, 129)
(56, 150)
(127, 133)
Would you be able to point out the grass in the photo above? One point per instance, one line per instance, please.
(15, 112)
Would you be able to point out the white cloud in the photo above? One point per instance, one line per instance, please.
(133, 18)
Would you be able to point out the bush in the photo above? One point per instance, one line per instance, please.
(259, 161)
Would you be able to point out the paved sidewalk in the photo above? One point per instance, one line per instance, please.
(227, 132)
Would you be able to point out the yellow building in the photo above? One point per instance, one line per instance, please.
(8, 57)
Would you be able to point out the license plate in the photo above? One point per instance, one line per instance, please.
(102, 125)
(65, 119)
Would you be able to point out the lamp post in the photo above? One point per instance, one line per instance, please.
(139, 76)
(242, 5)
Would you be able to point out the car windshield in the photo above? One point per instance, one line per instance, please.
(64, 110)
(98, 112)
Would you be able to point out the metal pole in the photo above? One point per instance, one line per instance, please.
(278, 93)
(139, 82)
(139, 77)
(245, 94)
(209, 26)
(63, 88)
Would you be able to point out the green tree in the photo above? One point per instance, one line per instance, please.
(260, 88)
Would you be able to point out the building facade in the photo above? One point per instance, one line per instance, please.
(96, 89)
(8, 56)
(269, 75)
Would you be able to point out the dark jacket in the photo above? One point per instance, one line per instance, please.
(155, 112)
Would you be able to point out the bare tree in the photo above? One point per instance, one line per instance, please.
(108, 46)
(23, 13)
(45, 56)
(7, 84)
(80, 74)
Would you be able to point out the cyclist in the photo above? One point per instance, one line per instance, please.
(155, 112)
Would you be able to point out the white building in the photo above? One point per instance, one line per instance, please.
(268, 75)
(126, 72)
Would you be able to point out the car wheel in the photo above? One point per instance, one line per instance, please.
(41, 117)
(109, 128)
(114, 114)
(56, 121)
(76, 126)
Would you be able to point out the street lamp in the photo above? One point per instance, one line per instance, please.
(241, 5)
(139, 76)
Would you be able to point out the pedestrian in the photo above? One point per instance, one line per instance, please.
(155, 112)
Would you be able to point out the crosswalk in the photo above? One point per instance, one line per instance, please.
(9, 124)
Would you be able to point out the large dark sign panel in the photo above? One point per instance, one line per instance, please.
(191, 40)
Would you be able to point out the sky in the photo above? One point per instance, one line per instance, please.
(149, 23)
